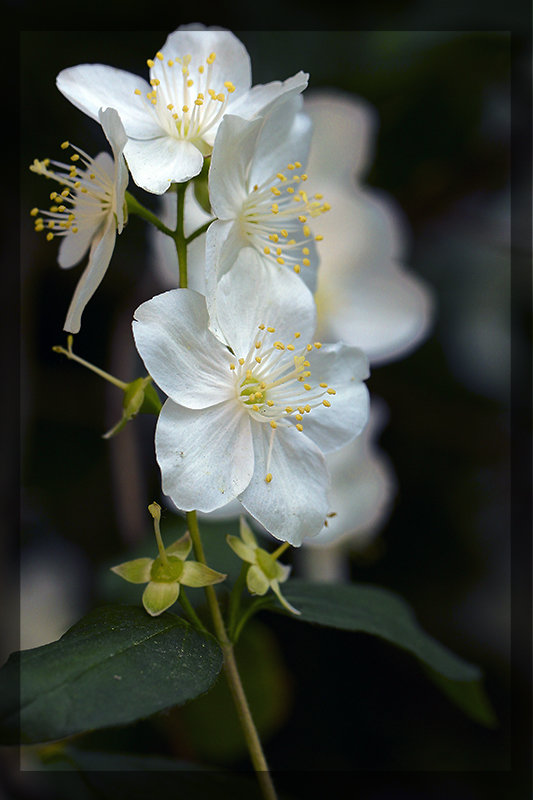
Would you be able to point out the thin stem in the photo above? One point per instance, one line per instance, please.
(198, 231)
(179, 235)
(235, 600)
(155, 511)
(134, 207)
(281, 549)
(191, 613)
(105, 375)
(232, 674)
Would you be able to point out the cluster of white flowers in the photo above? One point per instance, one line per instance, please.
(259, 411)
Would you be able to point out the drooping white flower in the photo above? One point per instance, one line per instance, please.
(250, 417)
(198, 76)
(365, 294)
(257, 188)
(87, 213)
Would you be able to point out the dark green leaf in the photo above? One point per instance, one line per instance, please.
(377, 611)
(115, 666)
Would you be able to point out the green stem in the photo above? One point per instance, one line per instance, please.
(198, 232)
(105, 375)
(134, 207)
(232, 674)
(253, 608)
(235, 600)
(191, 613)
(179, 235)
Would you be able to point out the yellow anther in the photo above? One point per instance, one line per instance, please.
(299, 426)
(326, 403)
(301, 218)
(307, 387)
(289, 409)
(268, 477)
(273, 424)
(220, 97)
(297, 335)
(199, 101)
(258, 359)
(261, 327)
(190, 83)
(274, 237)
(270, 403)
(137, 91)
(307, 409)
(229, 86)
(308, 347)
(255, 407)
(319, 196)
(307, 230)
(281, 176)
(299, 417)
(296, 268)
(305, 251)
(266, 250)
(270, 329)
(303, 176)
(155, 82)
(280, 260)
(290, 189)
(241, 361)
(34, 212)
(170, 63)
(319, 238)
(332, 391)
(201, 69)
(258, 345)
(306, 262)
(75, 157)
(290, 166)
(275, 190)
(64, 145)
(49, 237)
(149, 62)
(318, 345)
(297, 164)
(290, 347)
(284, 233)
(184, 109)
(232, 366)
(275, 208)
(159, 55)
(279, 345)
(210, 58)
(170, 106)
(323, 385)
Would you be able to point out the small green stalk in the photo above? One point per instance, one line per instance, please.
(71, 355)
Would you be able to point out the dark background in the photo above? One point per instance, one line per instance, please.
(459, 416)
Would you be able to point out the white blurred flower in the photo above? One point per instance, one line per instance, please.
(88, 212)
(365, 294)
(198, 76)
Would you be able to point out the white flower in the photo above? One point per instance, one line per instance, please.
(87, 212)
(365, 295)
(198, 76)
(257, 188)
(250, 418)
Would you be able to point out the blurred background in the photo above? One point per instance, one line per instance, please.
(348, 702)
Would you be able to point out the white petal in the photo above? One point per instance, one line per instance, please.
(99, 258)
(116, 136)
(91, 87)
(294, 504)
(74, 246)
(263, 98)
(223, 243)
(343, 368)
(183, 357)
(285, 138)
(206, 456)
(230, 163)
(257, 291)
(232, 62)
(156, 163)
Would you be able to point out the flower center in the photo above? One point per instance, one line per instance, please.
(84, 202)
(275, 218)
(273, 382)
(184, 99)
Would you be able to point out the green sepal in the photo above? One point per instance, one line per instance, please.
(201, 187)
(158, 597)
(140, 397)
(135, 571)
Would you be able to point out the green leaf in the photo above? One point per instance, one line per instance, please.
(377, 611)
(113, 667)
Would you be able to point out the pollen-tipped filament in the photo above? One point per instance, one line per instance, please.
(275, 218)
(85, 200)
(183, 99)
(274, 383)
